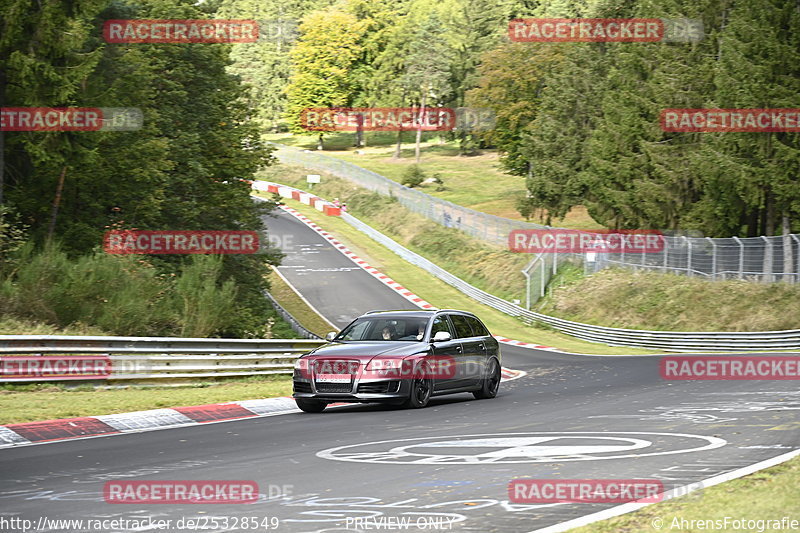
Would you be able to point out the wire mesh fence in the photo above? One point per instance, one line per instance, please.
(766, 259)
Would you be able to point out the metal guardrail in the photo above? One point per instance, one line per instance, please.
(145, 358)
(296, 326)
(768, 259)
(663, 340)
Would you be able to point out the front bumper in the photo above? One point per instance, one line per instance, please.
(373, 390)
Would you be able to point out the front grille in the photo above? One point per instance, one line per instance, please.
(334, 387)
(380, 387)
(302, 386)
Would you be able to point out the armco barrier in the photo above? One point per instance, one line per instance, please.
(768, 259)
(144, 358)
(679, 341)
(662, 340)
(295, 324)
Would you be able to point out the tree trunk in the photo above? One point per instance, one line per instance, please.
(56, 202)
(360, 130)
(770, 218)
(419, 123)
(2, 136)
(788, 251)
(397, 147)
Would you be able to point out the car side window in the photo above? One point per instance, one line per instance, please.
(477, 326)
(463, 328)
(441, 323)
(357, 331)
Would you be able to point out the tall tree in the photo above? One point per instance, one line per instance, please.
(322, 63)
(44, 62)
(264, 66)
(427, 69)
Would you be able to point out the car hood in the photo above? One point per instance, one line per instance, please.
(365, 351)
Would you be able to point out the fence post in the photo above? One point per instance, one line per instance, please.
(796, 275)
(741, 256)
(713, 258)
(767, 264)
(544, 273)
(555, 264)
(666, 247)
(688, 255)
(643, 262)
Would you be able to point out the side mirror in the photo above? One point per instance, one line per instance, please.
(442, 336)
(330, 336)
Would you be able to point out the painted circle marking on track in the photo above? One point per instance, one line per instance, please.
(532, 447)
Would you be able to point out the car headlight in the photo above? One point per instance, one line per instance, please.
(388, 367)
(378, 364)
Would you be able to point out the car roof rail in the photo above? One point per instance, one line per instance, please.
(399, 311)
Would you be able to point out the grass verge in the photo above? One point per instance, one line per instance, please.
(492, 268)
(16, 326)
(669, 302)
(28, 403)
(296, 306)
(478, 181)
(443, 295)
(768, 494)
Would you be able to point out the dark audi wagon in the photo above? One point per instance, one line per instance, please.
(401, 358)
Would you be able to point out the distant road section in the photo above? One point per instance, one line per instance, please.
(337, 287)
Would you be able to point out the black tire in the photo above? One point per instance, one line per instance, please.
(311, 406)
(491, 383)
(421, 390)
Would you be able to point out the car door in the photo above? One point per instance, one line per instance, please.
(473, 351)
(447, 351)
(487, 345)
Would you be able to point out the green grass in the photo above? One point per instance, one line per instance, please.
(297, 307)
(27, 403)
(491, 268)
(769, 494)
(18, 326)
(441, 295)
(653, 300)
(477, 182)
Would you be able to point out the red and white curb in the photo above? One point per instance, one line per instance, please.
(47, 431)
(508, 374)
(521, 344)
(389, 282)
(29, 433)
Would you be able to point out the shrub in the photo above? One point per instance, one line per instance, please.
(413, 176)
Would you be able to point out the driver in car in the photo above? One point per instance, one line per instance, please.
(389, 333)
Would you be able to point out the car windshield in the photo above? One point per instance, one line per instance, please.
(384, 329)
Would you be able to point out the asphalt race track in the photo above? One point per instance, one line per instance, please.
(571, 417)
(337, 287)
